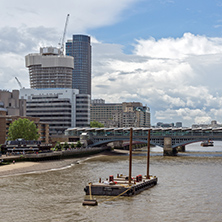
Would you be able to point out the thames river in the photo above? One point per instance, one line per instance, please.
(189, 189)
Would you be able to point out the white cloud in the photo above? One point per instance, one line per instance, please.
(177, 78)
(178, 48)
(84, 14)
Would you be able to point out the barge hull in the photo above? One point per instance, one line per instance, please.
(118, 189)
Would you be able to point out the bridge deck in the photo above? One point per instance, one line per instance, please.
(179, 136)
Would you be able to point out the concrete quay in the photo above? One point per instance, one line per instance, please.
(54, 155)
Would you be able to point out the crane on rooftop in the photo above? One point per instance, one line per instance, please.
(63, 37)
(19, 83)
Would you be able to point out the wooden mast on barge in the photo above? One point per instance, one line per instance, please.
(124, 185)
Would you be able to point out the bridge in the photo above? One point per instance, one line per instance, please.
(170, 139)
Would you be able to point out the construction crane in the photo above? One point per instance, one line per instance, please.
(63, 37)
(18, 82)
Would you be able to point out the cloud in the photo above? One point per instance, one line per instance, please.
(84, 14)
(179, 79)
(23, 40)
(178, 48)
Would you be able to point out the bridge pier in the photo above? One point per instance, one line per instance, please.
(167, 149)
(181, 148)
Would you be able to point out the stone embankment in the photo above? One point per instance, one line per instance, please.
(54, 155)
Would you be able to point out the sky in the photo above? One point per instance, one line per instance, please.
(166, 54)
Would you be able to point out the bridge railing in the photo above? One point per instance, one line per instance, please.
(159, 132)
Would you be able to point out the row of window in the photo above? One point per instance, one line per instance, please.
(32, 108)
(48, 101)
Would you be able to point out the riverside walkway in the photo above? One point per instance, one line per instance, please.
(167, 138)
(54, 154)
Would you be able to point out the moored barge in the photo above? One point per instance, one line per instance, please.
(120, 186)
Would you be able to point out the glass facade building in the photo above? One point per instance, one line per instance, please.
(80, 48)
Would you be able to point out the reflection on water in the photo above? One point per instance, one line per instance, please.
(189, 189)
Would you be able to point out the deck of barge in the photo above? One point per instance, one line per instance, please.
(120, 185)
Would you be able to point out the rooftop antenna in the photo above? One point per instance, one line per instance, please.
(63, 37)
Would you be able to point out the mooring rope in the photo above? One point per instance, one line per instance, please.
(115, 196)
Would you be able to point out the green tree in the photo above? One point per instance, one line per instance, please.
(96, 124)
(78, 144)
(23, 128)
(58, 146)
(66, 145)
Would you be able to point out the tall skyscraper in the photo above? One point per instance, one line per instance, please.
(79, 47)
(49, 69)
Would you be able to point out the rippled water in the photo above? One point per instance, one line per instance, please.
(189, 189)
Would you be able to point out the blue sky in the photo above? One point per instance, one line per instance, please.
(163, 19)
(166, 54)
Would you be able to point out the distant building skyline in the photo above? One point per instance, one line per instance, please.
(80, 48)
(126, 114)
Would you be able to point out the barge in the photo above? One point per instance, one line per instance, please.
(122, 185)
(207, 143)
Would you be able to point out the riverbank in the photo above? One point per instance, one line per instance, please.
(33, 167)
(54, 155)
(25, 166)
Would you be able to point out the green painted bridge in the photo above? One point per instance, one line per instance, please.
(167, 138)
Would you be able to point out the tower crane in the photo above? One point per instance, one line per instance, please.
(18, 82)
(63, 37)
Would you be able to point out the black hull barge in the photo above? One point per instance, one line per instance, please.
(120, 187)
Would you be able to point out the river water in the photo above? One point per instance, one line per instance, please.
(189, 189)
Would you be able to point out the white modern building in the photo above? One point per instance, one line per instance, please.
(49, 69)
(57, 107)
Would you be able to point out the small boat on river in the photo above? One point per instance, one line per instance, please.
(207, 143)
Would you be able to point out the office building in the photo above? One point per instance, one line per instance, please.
(80, 48)
(132, 114)
(49, 69)
(179, 124)
(103, 112)
(83, 110)
(60, 108)
(12, 104)
(142, 116)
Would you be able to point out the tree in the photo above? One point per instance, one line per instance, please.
(58, 146)
(66, 145)
(79, 144)
(23, 128)
(96, 124)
